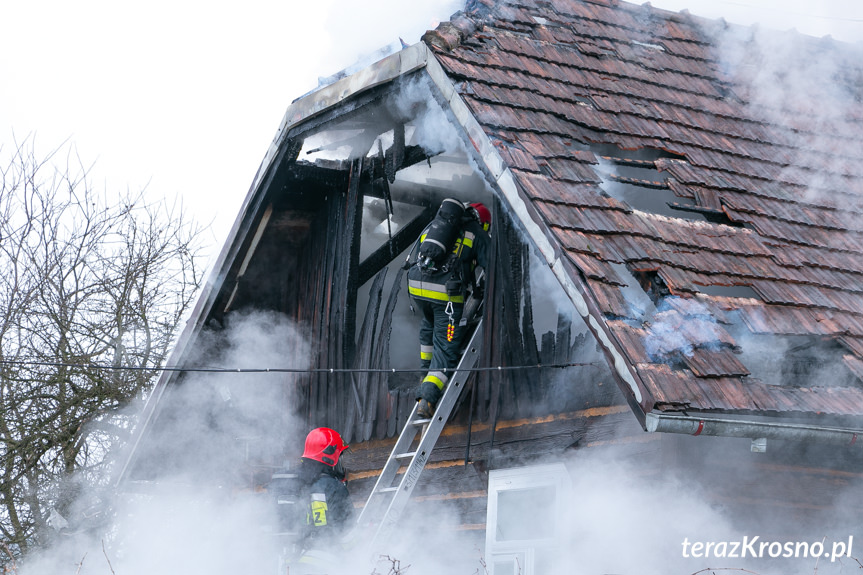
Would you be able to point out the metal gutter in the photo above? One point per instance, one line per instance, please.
(697, 425)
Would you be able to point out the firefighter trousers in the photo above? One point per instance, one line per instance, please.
(444, 352)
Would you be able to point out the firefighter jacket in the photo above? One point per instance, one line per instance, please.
(450, 280)
(330, 508)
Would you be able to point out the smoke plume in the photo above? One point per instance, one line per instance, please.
(190, 517)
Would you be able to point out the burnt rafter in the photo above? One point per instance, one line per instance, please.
(396, 245)
(335, 175)
(353, 227)
(379, 167)
(396, 155)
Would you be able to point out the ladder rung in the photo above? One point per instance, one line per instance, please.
(421, 421)
(405, 455)
(387, 489)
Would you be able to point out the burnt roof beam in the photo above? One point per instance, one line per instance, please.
(403, 239)
(377, 167)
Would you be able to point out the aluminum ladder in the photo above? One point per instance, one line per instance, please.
(393, 498)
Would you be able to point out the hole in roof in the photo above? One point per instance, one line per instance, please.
(333, 145)
(737, 291)
(347, 142)
(652, 284)
(793, 360)
(631, 176)
(641, 305)
(711, 215)
(650, 155)
(378, 225)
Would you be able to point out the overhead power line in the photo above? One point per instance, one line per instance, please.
(333, 370)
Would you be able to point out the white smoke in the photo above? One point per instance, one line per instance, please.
(625, 520)
(433, 130)
(422, 545)
(841, 19)
(174, 529)
(670, 331)
(630, 512)
(808, 91)
(193, 518)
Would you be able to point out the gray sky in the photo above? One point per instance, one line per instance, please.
(184, 97)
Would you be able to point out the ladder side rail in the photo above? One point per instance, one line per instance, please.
(431, 435)
(390, 469)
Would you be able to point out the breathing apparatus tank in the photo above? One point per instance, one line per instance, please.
(442, 233)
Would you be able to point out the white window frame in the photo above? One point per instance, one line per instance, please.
(523, 552)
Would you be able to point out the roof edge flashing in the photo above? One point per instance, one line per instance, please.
(695, 426)
(384, 70)
(412, 58)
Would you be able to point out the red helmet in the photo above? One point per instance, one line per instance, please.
(325, 445)
(483, 214)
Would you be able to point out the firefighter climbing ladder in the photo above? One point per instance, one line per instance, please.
(393, 498)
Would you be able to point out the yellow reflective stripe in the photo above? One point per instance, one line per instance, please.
(458, 247)
(436, 296)
(468, 239)
(426, 351)
(436, 377)
(416, 287)
(428, 290)
(319, 512)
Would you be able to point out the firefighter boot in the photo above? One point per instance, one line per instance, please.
(425, 409)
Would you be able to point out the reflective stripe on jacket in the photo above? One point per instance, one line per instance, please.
(432, 291)
(430, 285)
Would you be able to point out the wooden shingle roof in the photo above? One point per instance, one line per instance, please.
(766, 188)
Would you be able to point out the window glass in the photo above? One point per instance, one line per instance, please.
(524, 532)
(524, 514)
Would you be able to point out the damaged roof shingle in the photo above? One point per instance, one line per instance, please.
(779, 181)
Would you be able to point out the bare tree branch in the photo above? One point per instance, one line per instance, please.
(88, 279)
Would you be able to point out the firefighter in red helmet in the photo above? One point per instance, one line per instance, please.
(483, 216)
(441, 272)
(322, 469)
(324, 445)
(328, 508)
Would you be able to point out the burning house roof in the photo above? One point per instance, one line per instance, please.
(699, 203)
(661, 151)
